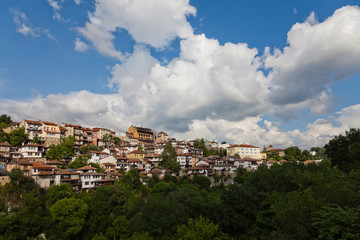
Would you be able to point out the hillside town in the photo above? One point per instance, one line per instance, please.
(107, 155)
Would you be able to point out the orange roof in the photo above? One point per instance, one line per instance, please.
(86, 168)
(33, 122)
(49, 123)
(5, 144)
(243, 145)
(50, 131)
(136, 152)
(41, 166)
(33, 145)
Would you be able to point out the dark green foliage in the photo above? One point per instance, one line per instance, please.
(288, 201)
(168, 158)
(17, 137)
(5, 119)
(80, 161)
(344, 150)
(90, 147)
(293, 154)
(63, 150)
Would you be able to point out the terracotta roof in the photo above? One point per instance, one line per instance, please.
(136, 152)
(105, 180)
(33, 145)
(33, 122)
(133, 160)
(44, 173)
(67, 172)
(108, 164)
(41, 166)
(54, 162)
(99, 152)
(5, 144)
(47, 131)
(92, 174)
(49, 123)
(86, 168)
(250, 159)
(242, 145)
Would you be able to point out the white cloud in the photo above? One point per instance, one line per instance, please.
(155, 23)
(318, 55)
(25, 27)
(80, 45)
(56, 7)
(77, 2)
(212, 90)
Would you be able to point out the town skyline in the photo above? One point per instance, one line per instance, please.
(284, 74)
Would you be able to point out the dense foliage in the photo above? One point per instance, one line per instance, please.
(288, 201)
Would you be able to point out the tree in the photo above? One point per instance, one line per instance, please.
(80, 161)
(169, 158)
(69, 216)
(107, 139)
(305, 155)
(63, 150)
(116, 141)
(344, 150)
(4, 137)
(199, 229)
(17, 137)
(90, 147)
(58, 192)
(5, 119)
(293, 154)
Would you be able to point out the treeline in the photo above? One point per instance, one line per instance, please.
(284, 202)
(288, 201)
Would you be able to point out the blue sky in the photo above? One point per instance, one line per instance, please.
(193, 69)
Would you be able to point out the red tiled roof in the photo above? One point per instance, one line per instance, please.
(41, 166)
(5, 144)
(33, 145)
(33, 122)
(136, 152)
(49, 123)
(86, 168)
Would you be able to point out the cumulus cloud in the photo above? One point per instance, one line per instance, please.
(80, 45)
(77, 2)
(318, 55)
(154, 23)
(24, 26)
(212, 90)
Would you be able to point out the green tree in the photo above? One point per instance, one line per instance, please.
(344, 150)
(80, 161)
(90, 147)
(5, 119)
(68, 215)
(169, 158)
(305, 155)
(107, 140)
(293, 154)
(4, 137)
(17, 137)
(63, 150)
(116, 141)
(200, 229)
(335, 222)
(58, 192)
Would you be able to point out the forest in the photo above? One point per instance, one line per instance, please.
(288, 201)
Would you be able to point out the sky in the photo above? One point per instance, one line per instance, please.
(258, 72)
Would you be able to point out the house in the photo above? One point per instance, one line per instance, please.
(200, 170)
(96, 156)
(110, 151)
(5, 149)
(144, 136)
(50, 134)
(33, 152)
(33, 128)
(249, 163)
(43, 175)
(122, 163)
(89, 176)
(185, 160)
(109, 167)
(69, 177)
(244, 151)
(162, 137)
(136, 154)
(23, 164)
